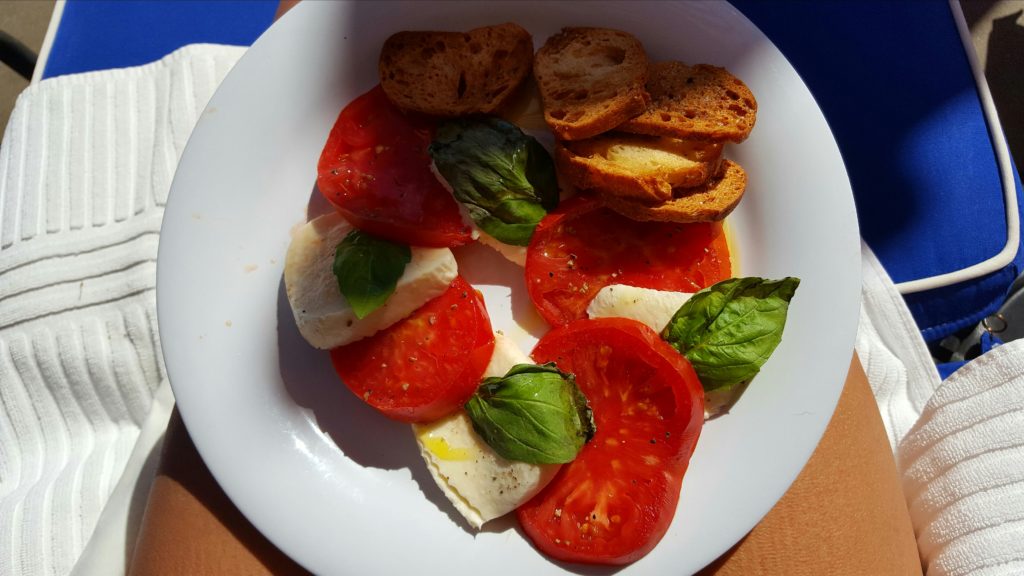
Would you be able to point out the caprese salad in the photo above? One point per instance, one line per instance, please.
(588, 437)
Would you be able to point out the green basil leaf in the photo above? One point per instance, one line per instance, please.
(533, 414)
(368, 269)
(729, 330)
(504, 177)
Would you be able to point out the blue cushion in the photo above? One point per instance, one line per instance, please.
(101, 34)
(896, 87)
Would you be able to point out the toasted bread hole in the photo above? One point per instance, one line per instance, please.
(475, 47)
(614, 55)
(665, 117)
(562, 94)
(732, 95)
(462, 84)
(558, 114)
(690, 114)
(580, 94)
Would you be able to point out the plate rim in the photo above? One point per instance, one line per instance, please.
(239, 497)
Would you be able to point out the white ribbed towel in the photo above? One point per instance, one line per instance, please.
(963, 469)
(889, 345)
(959, 444)
(85, 167)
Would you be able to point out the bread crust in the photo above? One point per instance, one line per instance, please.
(642, 168)
(700, 102)
(453, 73)
(590, 80)
(710, 202)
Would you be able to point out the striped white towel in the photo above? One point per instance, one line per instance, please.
(959, 443)
(963, 469)
(85, 168)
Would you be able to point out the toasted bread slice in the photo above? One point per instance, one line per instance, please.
(642, 168)
(699, 102)
(453, 73)
(711, 201)
(591, 80)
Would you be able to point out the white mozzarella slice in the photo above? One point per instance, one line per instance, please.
(463, 211)
(322, 314)
(480, 484)
(651, 307)
(514, 254)
(506, 355)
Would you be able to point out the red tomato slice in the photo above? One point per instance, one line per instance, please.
(614, 502)
(376, 170)
(582, 247)
(427, 365)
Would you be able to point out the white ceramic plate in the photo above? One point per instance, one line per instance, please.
(341, 489)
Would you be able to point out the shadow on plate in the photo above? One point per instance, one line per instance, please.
(365, 437)
(362, 434)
